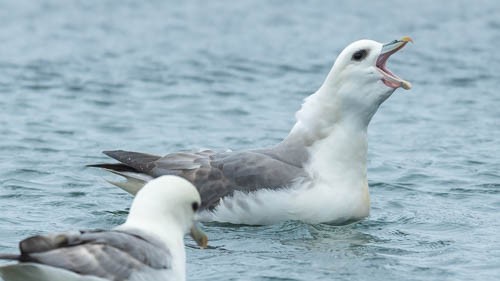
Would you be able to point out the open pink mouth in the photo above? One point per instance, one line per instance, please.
(390, 79)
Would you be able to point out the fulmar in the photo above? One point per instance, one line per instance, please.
(317, 174)
(148, 246)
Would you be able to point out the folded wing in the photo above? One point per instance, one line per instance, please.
(114, 255)
(216, 175)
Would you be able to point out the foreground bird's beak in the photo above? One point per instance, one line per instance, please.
(390, 79)
(198, 235)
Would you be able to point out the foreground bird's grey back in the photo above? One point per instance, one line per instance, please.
(113, 255)
(220, 174)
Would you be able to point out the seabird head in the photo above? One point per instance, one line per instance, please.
(365, 61)
(169, 202)
(360, 81)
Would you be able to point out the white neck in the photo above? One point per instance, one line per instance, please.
(172, 237)
(336, 138)
(327, 108)
(339, 156)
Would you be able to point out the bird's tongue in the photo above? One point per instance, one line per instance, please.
(393, 80)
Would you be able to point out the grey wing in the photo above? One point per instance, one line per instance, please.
(216, 174)
(114, 255)
(253, 170)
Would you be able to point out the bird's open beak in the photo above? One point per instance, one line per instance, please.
(389, 78)
(198, 235)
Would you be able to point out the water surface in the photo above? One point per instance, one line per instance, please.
(78, 77)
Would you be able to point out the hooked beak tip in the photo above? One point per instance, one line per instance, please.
(406, 39)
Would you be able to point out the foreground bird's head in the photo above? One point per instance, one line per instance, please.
(169, 203)
(360, 81)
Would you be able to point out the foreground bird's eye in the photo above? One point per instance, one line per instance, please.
(195, 206)
(359, 55)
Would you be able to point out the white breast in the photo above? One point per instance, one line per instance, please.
(311, 203)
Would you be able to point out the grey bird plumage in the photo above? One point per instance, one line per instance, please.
(216, 174)
(113, 255)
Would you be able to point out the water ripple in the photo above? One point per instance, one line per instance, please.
(156, 77)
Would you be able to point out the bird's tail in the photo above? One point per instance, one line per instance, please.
(133, 181)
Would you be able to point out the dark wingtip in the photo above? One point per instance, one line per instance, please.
(9, 257)
(130, 161)
(109, 153)
(112, 152)
(113, 167)
(96, 165)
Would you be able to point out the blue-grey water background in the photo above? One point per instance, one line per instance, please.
(79, 77)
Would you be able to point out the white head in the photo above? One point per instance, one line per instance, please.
(356, 86)
(167, 204)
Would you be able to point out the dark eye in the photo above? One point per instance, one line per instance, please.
(195, 206)
(359, 55)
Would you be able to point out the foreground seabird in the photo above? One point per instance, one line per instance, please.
(317, 174)
(148, 246)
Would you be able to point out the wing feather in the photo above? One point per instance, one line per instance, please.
(217, 175)
(108, 254)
